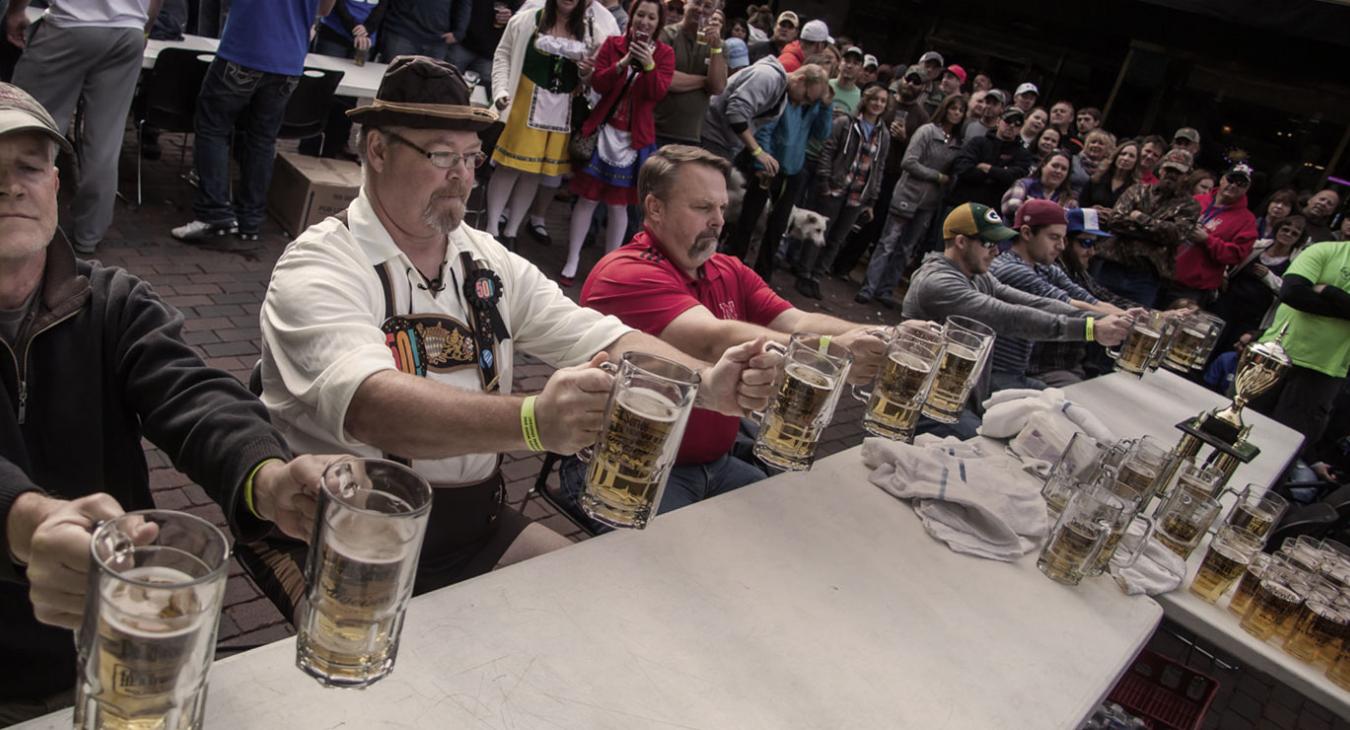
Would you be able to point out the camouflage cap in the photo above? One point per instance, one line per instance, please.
(20, 112)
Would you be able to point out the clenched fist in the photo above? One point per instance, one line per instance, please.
(571, 409)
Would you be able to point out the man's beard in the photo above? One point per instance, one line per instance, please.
(703, 247)
(445, 219)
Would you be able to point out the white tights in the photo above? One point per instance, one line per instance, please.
(581, 223)
(509, 184)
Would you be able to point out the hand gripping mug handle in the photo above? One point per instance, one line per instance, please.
(586, 452)
(770, 346)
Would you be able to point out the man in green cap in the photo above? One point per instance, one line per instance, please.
(957, 281)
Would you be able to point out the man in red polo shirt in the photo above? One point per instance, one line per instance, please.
(670, 282)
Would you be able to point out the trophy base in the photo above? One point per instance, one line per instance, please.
(1242, 451)
(1219, 429)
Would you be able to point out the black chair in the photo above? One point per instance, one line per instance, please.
(170, 98)
(1339, 500)
(1310, 519)
(542, 489)
(307, 110)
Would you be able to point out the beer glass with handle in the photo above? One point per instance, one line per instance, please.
(1320, 628)
(1120, 513)
(1141, 469)
(1274, 604)
(1078, 465)
(1183, 520)
(156, 582)
(360, 568)
(1257, 511)
(968, 344)
(648, 407)
(1226, 559)
(1078, 536)
(1136, 351)
(806, 391)
(900, 388)
(1251, 579)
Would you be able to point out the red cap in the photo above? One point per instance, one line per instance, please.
(958, 72)
(1038, 212)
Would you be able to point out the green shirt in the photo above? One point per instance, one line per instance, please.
(845, 100)
(680, 115)
(1314, 341)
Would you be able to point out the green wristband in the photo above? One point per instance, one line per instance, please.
(528, 426)
(824, 344)
(1088, 329)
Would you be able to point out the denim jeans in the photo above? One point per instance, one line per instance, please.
(894, 249)
(1141, 285)
(256, 101)
(688, 483)
(466, 60)
(393, 45)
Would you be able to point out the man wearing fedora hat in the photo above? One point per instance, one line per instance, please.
(393, 329)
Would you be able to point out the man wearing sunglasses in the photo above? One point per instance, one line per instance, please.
(957, 281)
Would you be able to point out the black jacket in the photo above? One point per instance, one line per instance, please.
(1010, 162)
(98, 364)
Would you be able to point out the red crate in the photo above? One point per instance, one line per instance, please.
(1165, 693)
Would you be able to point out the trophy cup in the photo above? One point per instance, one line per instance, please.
(1259, 369)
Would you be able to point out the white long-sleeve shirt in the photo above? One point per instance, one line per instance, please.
(321, 327)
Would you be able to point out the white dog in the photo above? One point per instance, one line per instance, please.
(803, 225)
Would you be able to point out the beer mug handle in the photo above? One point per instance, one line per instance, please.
(770, 346)
(1100, 542)
(585, 454)
(1143, 541)
(860, 393)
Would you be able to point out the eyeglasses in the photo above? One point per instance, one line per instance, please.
(1086, 241)
(443, 160)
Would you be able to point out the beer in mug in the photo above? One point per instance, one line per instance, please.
(1138, 348)
(956, 373)
(1319, 630)
(1248, 583)
(899, 390)
(627, 470)
(806, 391)
(1274, 604)
(1190, 338)
(1225, 561)
(1257, 512)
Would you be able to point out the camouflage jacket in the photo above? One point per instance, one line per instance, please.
(1152, 240)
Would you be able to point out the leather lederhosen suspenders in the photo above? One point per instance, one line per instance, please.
(468, 511)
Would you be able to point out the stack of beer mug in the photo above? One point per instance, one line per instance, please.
(1088, 531)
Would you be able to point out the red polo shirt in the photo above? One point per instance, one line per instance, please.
(640, 286)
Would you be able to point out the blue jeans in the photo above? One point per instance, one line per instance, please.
(893, 251)
(687, 484)
(1141, 285)
(231, 92)
(466, 60)
(393, 45)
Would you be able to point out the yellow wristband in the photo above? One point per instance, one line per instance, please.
(529, 428)
(756, 152)
(715, 51)
(248, 487)
(648, 66)
(1088, 329)
(824, 344)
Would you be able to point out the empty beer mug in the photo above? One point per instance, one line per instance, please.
(1141, 468)
(1078, 465)
(897, 395)
(360, 568)
(1079, 535)
(1226, 560)
(1183, 519)
(1194, 339)
(156, 582)
(968, 344)
(806, 391)
(649, 404)
(1257, 512)
(1139, 346)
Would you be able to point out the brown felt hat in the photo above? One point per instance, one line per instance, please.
(423, 93)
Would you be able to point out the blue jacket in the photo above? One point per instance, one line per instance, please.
(785, 137)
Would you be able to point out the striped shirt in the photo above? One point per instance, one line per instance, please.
(1013, 354)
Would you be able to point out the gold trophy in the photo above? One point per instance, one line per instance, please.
(1259, 368)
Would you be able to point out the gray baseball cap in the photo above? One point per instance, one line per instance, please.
(20, 112)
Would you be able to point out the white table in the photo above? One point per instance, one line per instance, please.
(1152, 406)
(807, 601)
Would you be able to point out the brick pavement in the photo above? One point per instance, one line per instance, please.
(220, 292)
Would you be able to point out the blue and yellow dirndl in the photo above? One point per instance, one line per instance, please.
(540, 123)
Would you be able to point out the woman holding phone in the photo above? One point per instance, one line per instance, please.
(632, 73)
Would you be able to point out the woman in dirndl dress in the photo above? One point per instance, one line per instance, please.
(632, 73)
(541, 62)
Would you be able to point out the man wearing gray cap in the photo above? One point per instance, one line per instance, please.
(933, 67)
(1187, 138)
(95, 361)
(814, 39)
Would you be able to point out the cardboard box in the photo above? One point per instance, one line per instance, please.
(305, 190)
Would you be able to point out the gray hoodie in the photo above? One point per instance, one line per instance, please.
(940, 289)
(755, 96)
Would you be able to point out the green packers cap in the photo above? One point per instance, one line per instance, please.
(980, 221)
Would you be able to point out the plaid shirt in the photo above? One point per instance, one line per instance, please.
(862, 165)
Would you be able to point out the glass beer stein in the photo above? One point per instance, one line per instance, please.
(648, 407)
(360, 568)
(1257, 512)
(806, 391)
(1144, 339)
(1183, 519)
(156, 582)
(1078, 465)
(1079, 535)
(1226, 560)
(968, 344)
(897, 395)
